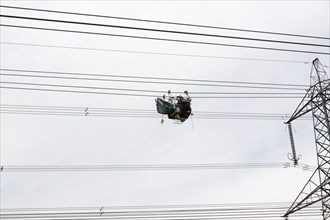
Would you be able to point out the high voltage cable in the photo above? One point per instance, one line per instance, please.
(163, 39)
(148, 167)
(266, 210)
(149, 77)
(134, 115)
(262, 212)
(243, 216)
(144, 90)
(105, 109)
(165, 22)
(130, 94)
(156, 53)
(74, 108)
(153, 91)
(164, 80)
(118, 210)
(161, 216)
(260, 95)
(143, 95)
(225, 206)
(160, 209)
(161, 30)
(116, 112)
(70, 91)
(149, 91)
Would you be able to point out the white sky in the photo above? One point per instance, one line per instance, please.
(57, 140)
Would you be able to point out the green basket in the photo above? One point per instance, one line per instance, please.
(164, 107)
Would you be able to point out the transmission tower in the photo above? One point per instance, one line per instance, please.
(317, 101)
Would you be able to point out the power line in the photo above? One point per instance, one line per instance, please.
(158, 207)
(147, 167)
(143, 95)
(244, 211)
(162, 216)
(157, 53)
(145, 90)
(76, 108)
(71, 91)
(142, 113)
(161, 80)
(163, 39)
(124, 94)
(159, 91)
(166, 208)
(231, 211)
(134, 115)
(141, 92)
(166, 22)
(161, 30)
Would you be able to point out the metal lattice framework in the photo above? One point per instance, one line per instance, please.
(317, 101)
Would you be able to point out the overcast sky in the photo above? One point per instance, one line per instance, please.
(77, 140)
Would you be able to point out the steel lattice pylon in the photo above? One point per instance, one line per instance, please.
(317, 101)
